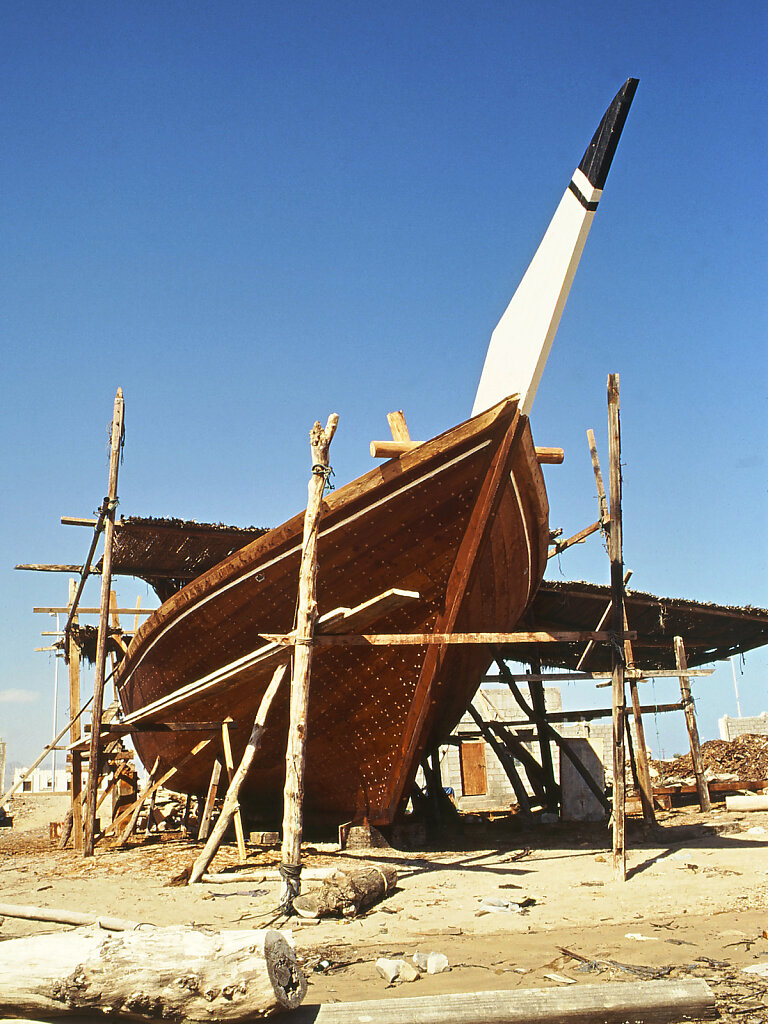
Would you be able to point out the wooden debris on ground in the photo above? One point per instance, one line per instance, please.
(176, 973)
(347, 892)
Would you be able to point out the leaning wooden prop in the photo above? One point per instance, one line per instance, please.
(151, 973)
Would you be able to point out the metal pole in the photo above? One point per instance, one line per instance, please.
(55, 708)
(735, 688)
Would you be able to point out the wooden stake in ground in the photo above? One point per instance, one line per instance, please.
(231, 799)
(230, 766)
(617, 621)
(116, 443)
(690, 721)
(210, 800)
(293, 798)
(73, 657)
(640, 766)
(644, 782)
(538, 700)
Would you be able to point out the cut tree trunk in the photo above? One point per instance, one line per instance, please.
(152, 973)
(347, 892)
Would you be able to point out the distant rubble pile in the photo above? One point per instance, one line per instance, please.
(744, 758)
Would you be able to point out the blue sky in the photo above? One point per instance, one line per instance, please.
(250, 215)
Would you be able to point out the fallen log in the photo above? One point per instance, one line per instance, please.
(175, 973)
(753, 802)
(77, 917)
(642, 1002)
(347, 892)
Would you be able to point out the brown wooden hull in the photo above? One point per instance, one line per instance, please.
(373, 710)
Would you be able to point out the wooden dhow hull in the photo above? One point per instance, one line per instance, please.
(461, 519)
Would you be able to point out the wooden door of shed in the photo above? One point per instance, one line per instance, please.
(474, 780)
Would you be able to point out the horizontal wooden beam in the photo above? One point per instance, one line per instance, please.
(38, 567)
(142, 572)
(415, 639)
(528, 724)
(78, 521)
(550, 456)
(95, 611)
(569, 677)
(664, 673)
(111, 729)
(393, 449)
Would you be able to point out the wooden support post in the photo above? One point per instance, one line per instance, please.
(643, 769)
(230, 765)
(435, 784)
(617, 620)
(154, 783)
(210, 800)
(73, 657)
(101, 646)
(520, 753)
(562, 743)
(306, 614)
(536, 690)
(638, 760)
(690, 721)
(433, 780)
(601, 498)
(398, 426)
(133, 812)
(237, 780)
(507, 762)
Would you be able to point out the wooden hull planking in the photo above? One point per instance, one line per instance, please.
(373, 710)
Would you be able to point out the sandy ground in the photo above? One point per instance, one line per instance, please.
(695, 904)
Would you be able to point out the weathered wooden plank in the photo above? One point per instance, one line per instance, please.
(210, 800)
(439, 639)
(643, 1002)
(95, 611)
(230, 766)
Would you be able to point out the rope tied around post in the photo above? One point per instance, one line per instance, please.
(107, 506)
(291, 876)
(617, 645)
(325, 471)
